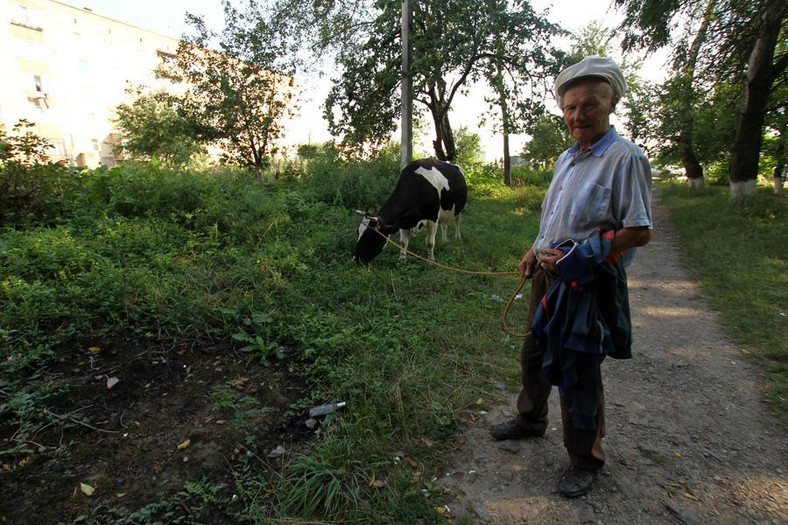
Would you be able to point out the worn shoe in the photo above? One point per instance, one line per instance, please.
(513, 430)
(576, 482)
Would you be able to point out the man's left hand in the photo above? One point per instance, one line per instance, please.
(548, 257)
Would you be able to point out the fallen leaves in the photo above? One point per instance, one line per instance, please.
(185, 444)
(684, 490)
(376, 483)
(86, 489)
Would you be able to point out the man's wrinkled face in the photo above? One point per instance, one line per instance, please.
(587, 109)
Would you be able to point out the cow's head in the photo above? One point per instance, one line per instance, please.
(371, 238)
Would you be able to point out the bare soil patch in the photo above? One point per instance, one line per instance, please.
(124, 440)
(689, 438)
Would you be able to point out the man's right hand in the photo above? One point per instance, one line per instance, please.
(527, 264)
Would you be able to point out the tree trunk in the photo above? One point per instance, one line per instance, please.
(778, 175)
(507, 159)
(444, 139)
(689, 159)
(692, 167)
(779, 179)
(761, 72)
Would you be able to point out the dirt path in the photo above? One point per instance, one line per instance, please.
(688, 438)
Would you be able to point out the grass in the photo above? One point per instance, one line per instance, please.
(738, 251)
(412, 349)
(196, 257)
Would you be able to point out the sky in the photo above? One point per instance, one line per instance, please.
(167, 17)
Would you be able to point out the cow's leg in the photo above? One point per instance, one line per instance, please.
(404, 237)
(432, 231)
(444, 230)
(457, 227)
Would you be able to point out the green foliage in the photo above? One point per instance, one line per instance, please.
(708, 80)
(523, 175)
(748, 285)
(469, 148)
(356, 185)
(549, 140)
(321, 487)
(152, 127)
(486, 38)
(260, 338)
(191, 505)
(32, 189)
(241, 92)
(244, 410)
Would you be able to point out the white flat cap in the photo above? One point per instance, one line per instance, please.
(591, 66)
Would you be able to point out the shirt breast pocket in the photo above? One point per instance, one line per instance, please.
(590, 205)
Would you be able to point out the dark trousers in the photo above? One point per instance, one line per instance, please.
(584, 446)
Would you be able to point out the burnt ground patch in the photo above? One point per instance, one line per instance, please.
(174, 415)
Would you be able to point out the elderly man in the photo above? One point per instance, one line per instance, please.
(595, 213)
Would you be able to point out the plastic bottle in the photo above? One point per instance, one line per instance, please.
(322, 410)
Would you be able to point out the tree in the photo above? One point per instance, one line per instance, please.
(364, 104)
(724, 41)
(152, 126)
(469, 149)
(549, 140)
(242, 91)
(762, 71)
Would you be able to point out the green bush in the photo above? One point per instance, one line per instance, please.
(524, 175)
(353, 184)
(32, 189)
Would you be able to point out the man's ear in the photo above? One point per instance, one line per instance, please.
(614, 101)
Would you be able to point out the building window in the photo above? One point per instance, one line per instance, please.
(26, 18)
(38, 103)
(95, 144)
(22, 15)
(38, 83)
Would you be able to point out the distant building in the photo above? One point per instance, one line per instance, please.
(66, 69)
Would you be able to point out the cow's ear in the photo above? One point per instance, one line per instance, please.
(374, 222)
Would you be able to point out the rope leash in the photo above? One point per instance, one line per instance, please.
(471, 272)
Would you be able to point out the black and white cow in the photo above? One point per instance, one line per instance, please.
(429, 192)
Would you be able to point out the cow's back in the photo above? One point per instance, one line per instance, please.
(425, 187)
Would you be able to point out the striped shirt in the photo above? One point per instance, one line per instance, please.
(607, 186)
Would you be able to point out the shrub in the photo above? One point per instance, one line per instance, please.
(31, 187)
(361, 185)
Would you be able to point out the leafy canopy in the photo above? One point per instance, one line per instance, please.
(455, 43)
(152, 126)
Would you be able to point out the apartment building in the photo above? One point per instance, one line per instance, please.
(66, 69)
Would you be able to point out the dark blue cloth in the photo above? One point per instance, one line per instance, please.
(582, 318)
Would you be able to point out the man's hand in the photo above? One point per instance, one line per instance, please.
(527, 264)
(548, 257)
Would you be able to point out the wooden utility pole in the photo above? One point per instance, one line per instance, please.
(407, 97)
